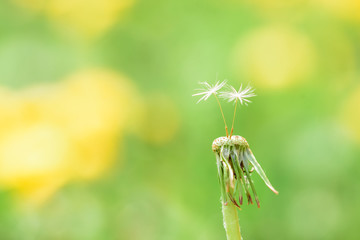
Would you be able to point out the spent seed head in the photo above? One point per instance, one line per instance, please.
(236, 163)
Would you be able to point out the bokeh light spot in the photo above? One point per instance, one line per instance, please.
(53, 134)
(350, 114)
(275, 57)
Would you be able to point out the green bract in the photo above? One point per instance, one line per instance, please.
(236, 163)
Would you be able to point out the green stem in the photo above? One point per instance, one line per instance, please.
(231, 221)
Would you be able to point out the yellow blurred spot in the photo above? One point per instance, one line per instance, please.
(346, 9)
(35, 5)
(95, 106)
(158, 119)
(26, 151)
(275, 57)
(88, 17)
(274, 4)
(338, 52)
(103, 98)
(50, 135)
(350, 114)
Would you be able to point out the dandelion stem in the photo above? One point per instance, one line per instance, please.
(232, 126)
(222, 113)
(231, 221)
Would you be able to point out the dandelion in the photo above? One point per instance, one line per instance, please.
(235, 162)
(209, 90)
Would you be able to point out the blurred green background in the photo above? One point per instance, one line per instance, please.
(101, 139)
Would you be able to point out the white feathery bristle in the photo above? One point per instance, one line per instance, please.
(209, 89)
(242, 95)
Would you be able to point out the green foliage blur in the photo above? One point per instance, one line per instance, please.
(302, 57)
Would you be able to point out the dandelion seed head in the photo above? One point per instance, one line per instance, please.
(236, 164)
(209, 90)
(219, 142)
(239, 141)
(235, 140)
(242, 95)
